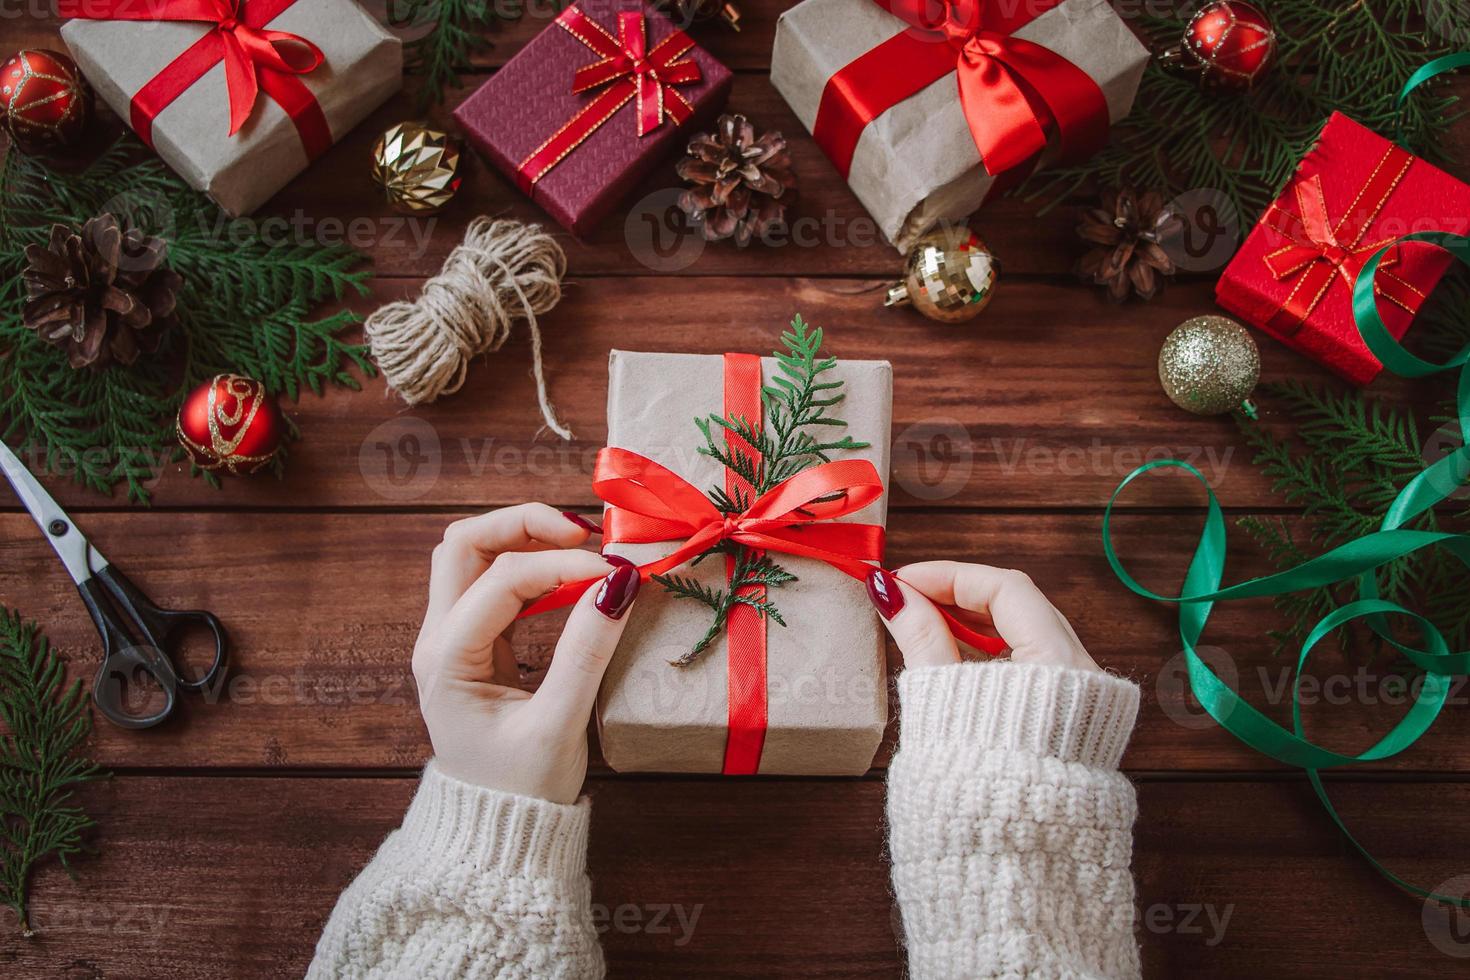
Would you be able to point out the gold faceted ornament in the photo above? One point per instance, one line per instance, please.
(949, 276)
(417, 167)
(1209, 365)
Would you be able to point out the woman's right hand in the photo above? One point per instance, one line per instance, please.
(1003, 600)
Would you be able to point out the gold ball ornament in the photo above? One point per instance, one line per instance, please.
(417, 167)
(949, 276)
(1209, 365)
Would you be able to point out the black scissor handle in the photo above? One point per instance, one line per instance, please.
(122, 659)
(160, 625)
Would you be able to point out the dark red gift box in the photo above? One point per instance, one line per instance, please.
(1352, 194)
(525, 116)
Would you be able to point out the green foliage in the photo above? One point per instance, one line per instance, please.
(244, 307)
(795, 401)
(1347, 55)
(41, 762)
(453, 31)
(1348, 460)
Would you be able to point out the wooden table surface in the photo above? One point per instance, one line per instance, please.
(226, 835)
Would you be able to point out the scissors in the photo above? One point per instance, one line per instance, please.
(134, 630)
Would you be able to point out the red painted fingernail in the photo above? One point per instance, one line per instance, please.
(617, 560)
(581, 522)
(883, 590)
(617, 591)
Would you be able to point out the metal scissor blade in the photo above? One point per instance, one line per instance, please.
(70, 544)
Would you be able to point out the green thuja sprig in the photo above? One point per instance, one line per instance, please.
(796, 403)
(46, 722)
(453, 31)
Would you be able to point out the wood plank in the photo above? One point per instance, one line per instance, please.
(324, 609)
(1048, 401)
(189, 878)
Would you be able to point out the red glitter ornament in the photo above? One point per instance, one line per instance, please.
(45, 100)
(1230, 43)
(230, 423)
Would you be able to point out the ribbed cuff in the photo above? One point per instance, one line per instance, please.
(515, 835)
(1081, 716)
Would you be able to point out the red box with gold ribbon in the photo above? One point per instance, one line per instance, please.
(237, 96)
(1353, 193)
(591, 104)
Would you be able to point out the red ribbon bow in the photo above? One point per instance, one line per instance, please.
(256, 60)
(1320, 250)
(1011, 90)
(626, 70)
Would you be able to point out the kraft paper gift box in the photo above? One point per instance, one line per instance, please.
(361, 67)
(1353, 192)
(827, 689)
(526, 118)
(918, 164)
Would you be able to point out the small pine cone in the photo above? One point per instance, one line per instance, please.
(103, 295)
(1129, 230)
(741, 185)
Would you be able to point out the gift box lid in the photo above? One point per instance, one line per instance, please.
(531, 98)
(1345, 157)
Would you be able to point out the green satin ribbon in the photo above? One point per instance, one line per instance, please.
(1358, 559)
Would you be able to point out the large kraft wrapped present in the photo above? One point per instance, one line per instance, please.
(237, 97)
(809, 697)
(927, 109)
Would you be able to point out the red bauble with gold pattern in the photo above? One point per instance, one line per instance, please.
(230, 423)
(1230, 43)
(46, 102)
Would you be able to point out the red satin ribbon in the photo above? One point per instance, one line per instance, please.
(256, 60)
(625, 71)
(1012, 91)
(1318, 250)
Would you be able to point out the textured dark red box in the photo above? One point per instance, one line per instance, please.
(1425, 199)
(529, 99)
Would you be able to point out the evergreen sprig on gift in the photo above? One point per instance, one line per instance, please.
(453, 31)
(41, 761)
(245, 306)
(796, 404)
(1347, 55)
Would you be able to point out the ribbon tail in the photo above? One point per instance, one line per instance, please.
(240, 82)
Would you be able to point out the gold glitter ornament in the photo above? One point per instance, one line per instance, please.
(417, 167)
(1209, 365)
(949, 276)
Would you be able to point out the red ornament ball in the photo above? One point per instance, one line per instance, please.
(46, 101)
(1231, 44)
(229, 423)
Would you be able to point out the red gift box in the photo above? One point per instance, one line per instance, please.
(591, 104)
(1352, 194)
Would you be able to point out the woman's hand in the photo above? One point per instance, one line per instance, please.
(484, 728)
(1004, 600)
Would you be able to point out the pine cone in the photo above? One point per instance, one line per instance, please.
(103, 295)
(738, 181)
(1129, 230)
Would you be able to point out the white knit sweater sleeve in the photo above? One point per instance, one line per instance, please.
(1010, 827)
(476, 883)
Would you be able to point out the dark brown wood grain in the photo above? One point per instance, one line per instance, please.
(210, 877)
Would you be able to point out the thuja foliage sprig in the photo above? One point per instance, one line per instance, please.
(797, 405)
(245, 306)
(453, 31)
(46, 722)
(1346, 55)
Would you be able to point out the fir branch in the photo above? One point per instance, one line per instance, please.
(453, 31)
(1347, 55)
(794, 401)
(46, 722)
(244, 306)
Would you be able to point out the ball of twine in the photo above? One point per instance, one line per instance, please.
(504, 270)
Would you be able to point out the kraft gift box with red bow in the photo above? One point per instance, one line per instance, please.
(591, 104)
(1352, 194)
(927, 109)
(237, 96)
